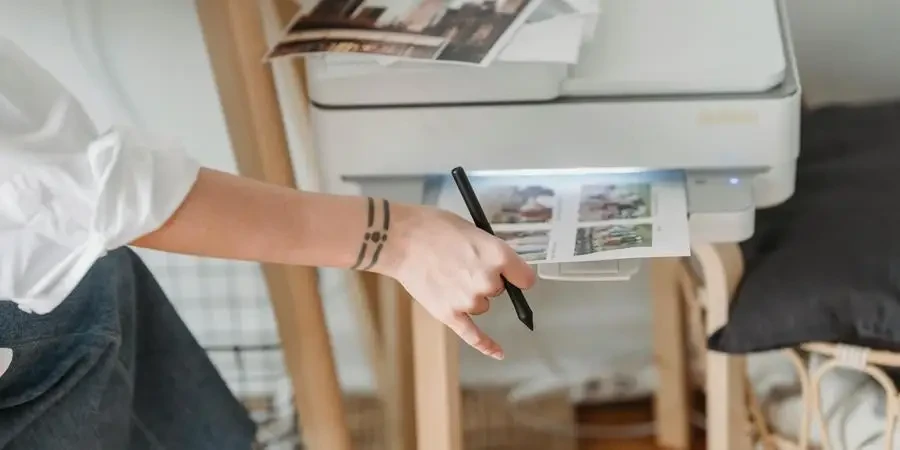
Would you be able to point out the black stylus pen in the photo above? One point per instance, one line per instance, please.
(481, 221)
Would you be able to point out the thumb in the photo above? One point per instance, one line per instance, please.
(465, 328)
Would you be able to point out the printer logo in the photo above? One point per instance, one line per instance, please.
(727, 117)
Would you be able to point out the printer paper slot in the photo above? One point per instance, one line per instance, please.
(582, 218)
(618, 270)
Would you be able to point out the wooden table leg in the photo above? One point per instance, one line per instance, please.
(726, 408)
(672, 399)
(236, 43)
(398, 398)
(383, 313)
(438, 396)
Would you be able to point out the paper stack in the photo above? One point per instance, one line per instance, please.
(470, 32)
(585, 226)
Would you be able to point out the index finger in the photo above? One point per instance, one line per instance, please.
(517, 271)
(468, 331)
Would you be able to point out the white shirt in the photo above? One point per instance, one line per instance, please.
(67, 193)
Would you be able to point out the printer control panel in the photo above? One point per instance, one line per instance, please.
(720, 206)
(719, 192)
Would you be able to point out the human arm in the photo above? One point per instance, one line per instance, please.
(446, 263)
(68, 195)
(231, 217)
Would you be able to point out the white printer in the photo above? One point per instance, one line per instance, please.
(707, 87)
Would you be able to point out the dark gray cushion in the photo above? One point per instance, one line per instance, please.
(825, 266)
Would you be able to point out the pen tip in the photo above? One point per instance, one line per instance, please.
(528, 323)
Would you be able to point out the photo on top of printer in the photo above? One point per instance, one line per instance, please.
(517, 204)
(462, 31)
(590, 240)
(377, 45)
(531, 245)
(614, 201)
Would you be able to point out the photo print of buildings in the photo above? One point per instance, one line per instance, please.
(554, 219)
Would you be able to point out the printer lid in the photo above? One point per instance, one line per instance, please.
(644, 47)
(638, 48)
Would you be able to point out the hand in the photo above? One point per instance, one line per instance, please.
(452, 268)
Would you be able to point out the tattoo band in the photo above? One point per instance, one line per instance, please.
(375, 236)
(371, 212)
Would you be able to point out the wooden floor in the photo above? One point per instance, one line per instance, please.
(629, 413)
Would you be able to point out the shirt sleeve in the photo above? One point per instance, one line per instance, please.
(67, 194)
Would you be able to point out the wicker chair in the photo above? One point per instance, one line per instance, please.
(757, 429)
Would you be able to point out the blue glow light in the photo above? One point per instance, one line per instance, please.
(551, 172)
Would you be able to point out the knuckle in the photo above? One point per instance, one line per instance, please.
(530, 281)
(489, 285)
(509, 257)
(480, 341)
(479, 306)
(528, 274)
(498, 267)
(497, 288)
(504, 259)
(497, 252)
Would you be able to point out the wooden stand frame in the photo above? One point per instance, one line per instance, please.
(236, 43)
(235, 38)
(394, 328)
(715, 271)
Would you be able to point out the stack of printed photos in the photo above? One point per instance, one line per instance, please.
(598, 217)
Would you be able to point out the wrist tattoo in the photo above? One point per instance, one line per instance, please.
(376, 234)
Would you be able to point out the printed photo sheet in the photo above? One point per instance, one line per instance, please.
(578, 218)
(472, 32)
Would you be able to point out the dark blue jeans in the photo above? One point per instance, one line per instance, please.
(113, 368)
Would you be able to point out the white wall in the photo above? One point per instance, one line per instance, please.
(847, 49)
(155, 54)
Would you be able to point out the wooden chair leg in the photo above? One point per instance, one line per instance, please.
(438, 396)
(726, 409)
(672, 400)
(233, 31)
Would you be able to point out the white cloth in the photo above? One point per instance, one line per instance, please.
(67, 193)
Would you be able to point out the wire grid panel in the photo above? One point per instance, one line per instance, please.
(226, 305)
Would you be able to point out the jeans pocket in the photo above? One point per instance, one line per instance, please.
(44, 370)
